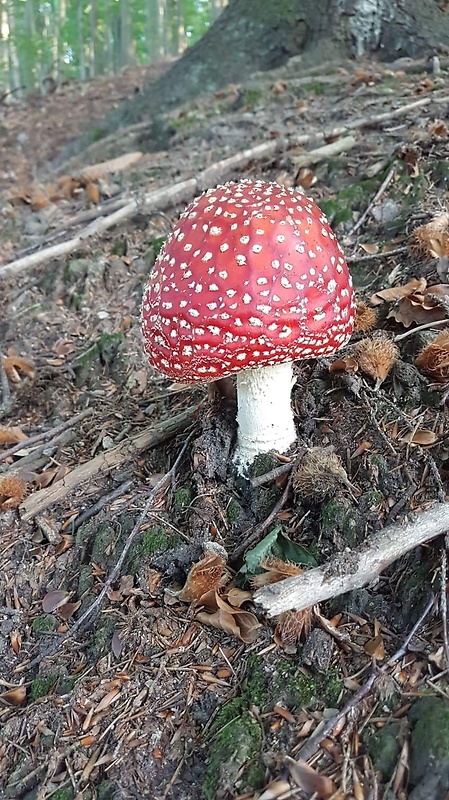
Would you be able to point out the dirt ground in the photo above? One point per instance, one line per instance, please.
(156, 695)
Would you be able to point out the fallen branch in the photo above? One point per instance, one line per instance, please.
(105, 462)
(185, 190)
(353, 568)
(326, 151)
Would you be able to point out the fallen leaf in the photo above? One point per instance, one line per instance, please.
(54, 600)
(375, 648)
(67, 610)
(369, 248)
(242, 624)
(14, 365)
(344, 364)
(107, 700)
(16, 641)
(396, 292)
(14, 697)
(309, 779)
(116, 644)
(421, 437)
(11, 435)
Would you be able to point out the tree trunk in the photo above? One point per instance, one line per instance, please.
(250, 36)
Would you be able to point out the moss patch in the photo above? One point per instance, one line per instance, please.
(44, 624)
(40, 687)
(384, 747)
(234, 761)
(430, 736)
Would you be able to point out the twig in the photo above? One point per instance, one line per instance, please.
(105, 462)
(443, 600)
(260, 529)
(6, 399)
(353, 568)
(326, 151)
(312, 745)
(46, 435)
(271, 475)
(376, 256)
(185, 190)
(115, 572)
(101, 503)
(424, 327)
(381, 190)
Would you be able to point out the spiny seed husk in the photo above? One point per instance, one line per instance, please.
(376, 356)
(318, 475)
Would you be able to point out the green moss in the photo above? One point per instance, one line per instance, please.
(153, 540)
(300, 689)
(105, 790)
(338, 514)
(101, 643)
(182, 499)
(430, 736)
(95, 135)
(44, 624)
(318, 87)
(252, 96)
(234, 760)
(384, 747)
(65, 793)
(40, 687)
(234, 511)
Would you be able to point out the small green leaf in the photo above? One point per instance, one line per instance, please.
(277, 545)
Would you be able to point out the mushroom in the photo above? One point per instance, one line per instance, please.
(251, 278)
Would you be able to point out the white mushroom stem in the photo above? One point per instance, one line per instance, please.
(265, 416)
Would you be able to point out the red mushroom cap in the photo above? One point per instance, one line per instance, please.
(252, 275)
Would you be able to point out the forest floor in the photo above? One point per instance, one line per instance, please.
(154, 696)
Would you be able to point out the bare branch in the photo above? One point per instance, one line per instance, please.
(354, 568)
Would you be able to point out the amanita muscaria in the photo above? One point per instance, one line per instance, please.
(250, 279)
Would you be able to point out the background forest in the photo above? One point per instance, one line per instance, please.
(43, 42)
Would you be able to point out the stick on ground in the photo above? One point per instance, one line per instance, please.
(149, 437)
(353, 568)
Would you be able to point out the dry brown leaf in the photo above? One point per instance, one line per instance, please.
(279, 87)
(306, 178)
(208, 574)
(309, 779)
(275, 789)
(344, 364)
(375, 648)
(11, 435)
(16, 641)
(438, 128)
(236, 597)
(116, 644)
(14, 365)
(396, 292)
(433, 360)
(12, 492)
(53, 600)
(107, 700)
(93, 192)
(104, 168)
(67, 610)
(14, 697)
(419, 307)
(421, 437)
(371, 249)
(242, 624)
(52, 475)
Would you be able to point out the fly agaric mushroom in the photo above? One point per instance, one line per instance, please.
(250, 279)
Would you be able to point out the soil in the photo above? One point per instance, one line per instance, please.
(153, 697)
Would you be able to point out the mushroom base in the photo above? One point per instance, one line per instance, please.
(265, 416)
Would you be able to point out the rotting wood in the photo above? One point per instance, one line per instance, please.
(356, 567)
(105, 462)
(184, 191)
